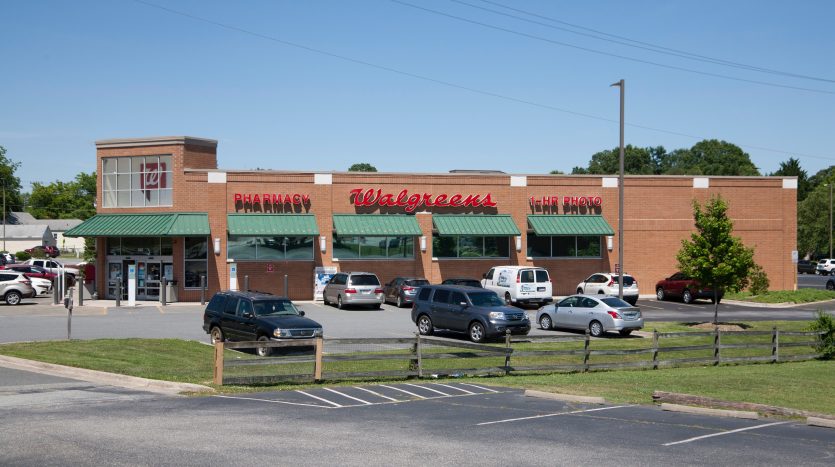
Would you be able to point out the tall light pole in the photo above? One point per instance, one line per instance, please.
(830, 220)
(622, 85)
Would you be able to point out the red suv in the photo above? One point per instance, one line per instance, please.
(48, 250)
(680, 286)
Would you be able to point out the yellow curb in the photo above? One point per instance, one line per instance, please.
(711, 412)
(817, 421)
(564, 397)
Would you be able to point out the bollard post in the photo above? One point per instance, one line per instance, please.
(119, 293)
(202, 290)
(162, 296)
(246, 282)
(80, 284)
(55, 291)
(286, 294)
(68, 306)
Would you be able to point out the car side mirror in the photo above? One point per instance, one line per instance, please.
(301, 312)
(248, 315)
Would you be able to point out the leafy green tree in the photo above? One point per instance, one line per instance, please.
(557, 172)
(713, 256)
(9, 183)
(813, 220)
(636, 161)
(64, 200)
(714, 157)
(362, 167)
(791, 168)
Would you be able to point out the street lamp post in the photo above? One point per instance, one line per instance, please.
(830, 220)
(622, 85)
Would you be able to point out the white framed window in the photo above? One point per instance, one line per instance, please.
(137, 181)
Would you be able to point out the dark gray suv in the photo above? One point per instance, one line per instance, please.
(478, 312)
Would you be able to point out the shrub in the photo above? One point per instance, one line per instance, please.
(22, 256)
(758, 281)
(824, 323)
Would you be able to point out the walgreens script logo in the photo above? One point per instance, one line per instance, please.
(410, 202)
(153, 176)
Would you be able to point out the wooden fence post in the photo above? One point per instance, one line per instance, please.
(654, 349)
(507, 352)
(218, 367)
(775, 345)
(317, 364)
(586, 353)
(419, 355)
(716, 343)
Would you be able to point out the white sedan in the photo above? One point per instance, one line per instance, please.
(41, 286)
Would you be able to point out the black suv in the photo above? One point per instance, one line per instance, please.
(478, 312)
(251, 316)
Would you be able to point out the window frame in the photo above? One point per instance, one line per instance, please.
(576, 246)
(436, 237)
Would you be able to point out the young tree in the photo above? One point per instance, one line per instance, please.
(9, 183)
(713, 256)
(362, 167)
(792, 168)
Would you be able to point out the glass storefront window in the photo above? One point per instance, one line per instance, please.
(470, 246)
(563, 246)
(270, 248)
(139, 246)
(137, 181)
(373, 247)
(196, 254)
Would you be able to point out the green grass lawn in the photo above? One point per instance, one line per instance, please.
(799, 385)
(783, 296)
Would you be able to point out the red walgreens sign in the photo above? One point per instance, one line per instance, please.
(370, 197)
(153, 176)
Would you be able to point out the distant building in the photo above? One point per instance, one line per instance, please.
(17, 238)
(57, 228)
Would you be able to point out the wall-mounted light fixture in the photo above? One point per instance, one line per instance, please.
(423, 243)
(323, 244)
(217, 246)
(609, 242)
(518, 243)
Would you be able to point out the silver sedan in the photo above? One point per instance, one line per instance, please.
(597, 313)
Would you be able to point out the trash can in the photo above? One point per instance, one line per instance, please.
(171, 292)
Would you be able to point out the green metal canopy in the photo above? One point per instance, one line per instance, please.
(569, 225)
(272, 224)
(460, 224)
(174, 224)
(375, 224)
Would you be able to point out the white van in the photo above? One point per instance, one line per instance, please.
(519, 284)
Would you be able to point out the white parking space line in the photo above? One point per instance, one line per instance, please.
(377, 394)
(724, 433)
(456, 388)
(552, 415)
(346, 395)
(403, 390)
(644, 305)
(319, 398)
(479, 387)
(428, 389)
(272, 401)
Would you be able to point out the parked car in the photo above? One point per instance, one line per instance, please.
(41, 286)
(599, 314)
(478, 312)
(53, 266)
(402, 290)
(806, 267)
(48, 250)
(31, 271)
(256, 316)
(462, 281)
(353, 288)
(680, 286)
(519, 284)
(825, 266)
(7, 257)
(14, 286)
(605, 283)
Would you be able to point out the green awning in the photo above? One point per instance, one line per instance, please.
(375, 224)
(174, 224)
(272, 224)
(460, 224)
(570, 225)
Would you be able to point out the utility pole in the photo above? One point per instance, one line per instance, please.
(4, 218)
(622, 85)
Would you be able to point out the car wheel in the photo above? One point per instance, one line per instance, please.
(545, 322)
(830, 285)
(339, 303)
(399, 302)
(632, 301)
(659, 294)
(686, 296)
(216, 335)
(625, 332)
(507, 299)
(477, 332)
(263, 351)
(425, 327)
(579, 290)
(596, 328)
(12, 297)
(325, 300)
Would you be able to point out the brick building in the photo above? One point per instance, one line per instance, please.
(165, 207)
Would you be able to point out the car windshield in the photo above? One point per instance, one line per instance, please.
(627, 280)
(275, 307)
(485, 299)
(615, 302)
(417, 282)
(364, 279)
(471, 283)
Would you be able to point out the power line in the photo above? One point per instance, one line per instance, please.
(454, 85)
(635, 43)
(609, 54)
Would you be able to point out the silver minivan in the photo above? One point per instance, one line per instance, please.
(354, 288)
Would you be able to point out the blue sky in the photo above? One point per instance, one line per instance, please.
(76, 72)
